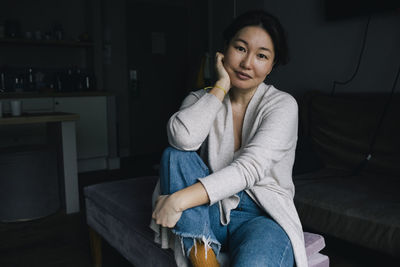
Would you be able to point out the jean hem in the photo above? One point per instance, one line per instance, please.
(208, 243)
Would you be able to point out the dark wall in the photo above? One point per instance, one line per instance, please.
(165, 43)
(156, 49)
(323, 50)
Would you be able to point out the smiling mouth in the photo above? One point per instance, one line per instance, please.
(242, 76)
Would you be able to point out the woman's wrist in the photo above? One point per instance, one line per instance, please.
(189, 197)
(225, 84)
(177, 201)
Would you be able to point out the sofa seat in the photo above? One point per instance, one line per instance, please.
(120, 212)
(363, 208)
(353, 139)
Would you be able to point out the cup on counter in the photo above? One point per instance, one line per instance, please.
(16, 107)
(29, 35)
(38, 35)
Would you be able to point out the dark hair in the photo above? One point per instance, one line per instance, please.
(267, 22)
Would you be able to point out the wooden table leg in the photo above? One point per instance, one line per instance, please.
(63, 136)
(95, 246)
(68, 135)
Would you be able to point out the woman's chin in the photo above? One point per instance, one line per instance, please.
(243, 86)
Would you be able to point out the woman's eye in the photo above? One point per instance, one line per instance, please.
(262, 56)
(240, 48)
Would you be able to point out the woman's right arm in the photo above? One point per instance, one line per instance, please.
(189, 127)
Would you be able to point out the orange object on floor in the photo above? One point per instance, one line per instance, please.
(198, 257)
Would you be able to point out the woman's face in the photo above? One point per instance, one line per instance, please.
(249, 57)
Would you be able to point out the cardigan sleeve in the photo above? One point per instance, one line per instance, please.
(275, 136)
(189, 127)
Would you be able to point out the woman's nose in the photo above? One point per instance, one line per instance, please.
(246, 62)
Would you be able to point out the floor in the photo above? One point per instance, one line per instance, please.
(62, 240)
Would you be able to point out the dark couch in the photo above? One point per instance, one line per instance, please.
(348, 168)
(120, 213)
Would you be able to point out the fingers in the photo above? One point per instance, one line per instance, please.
(159, 214)
(158, 205)
(164, 214)
(219, 58)
(160, 198)
(223, 76)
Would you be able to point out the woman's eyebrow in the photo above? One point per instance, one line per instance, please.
(262, 48)
(241, 40)
(266, 49)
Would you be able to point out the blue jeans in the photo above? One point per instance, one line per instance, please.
(252, 237)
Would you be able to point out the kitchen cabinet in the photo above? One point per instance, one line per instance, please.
(40, 104)
(92, 127)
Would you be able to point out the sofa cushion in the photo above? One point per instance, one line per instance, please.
(127, 200)
(361, 209)
(120, 212)
(314, 243)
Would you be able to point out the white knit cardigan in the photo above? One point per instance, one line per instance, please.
(262, 166)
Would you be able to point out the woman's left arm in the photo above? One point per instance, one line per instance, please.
(169, 208)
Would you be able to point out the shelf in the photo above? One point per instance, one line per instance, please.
(27, 118)
(62, 43)
(7, 95)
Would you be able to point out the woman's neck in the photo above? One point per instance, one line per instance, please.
(241, 97)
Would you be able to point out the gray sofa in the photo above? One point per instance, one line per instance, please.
(338, 191)
(120, 213)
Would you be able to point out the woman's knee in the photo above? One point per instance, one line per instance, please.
(180, 169)
(175, 154)
(176, 157)
(168, 152)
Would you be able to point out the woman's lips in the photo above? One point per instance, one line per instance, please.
(242, 76)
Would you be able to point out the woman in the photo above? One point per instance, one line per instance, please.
(238, 196)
